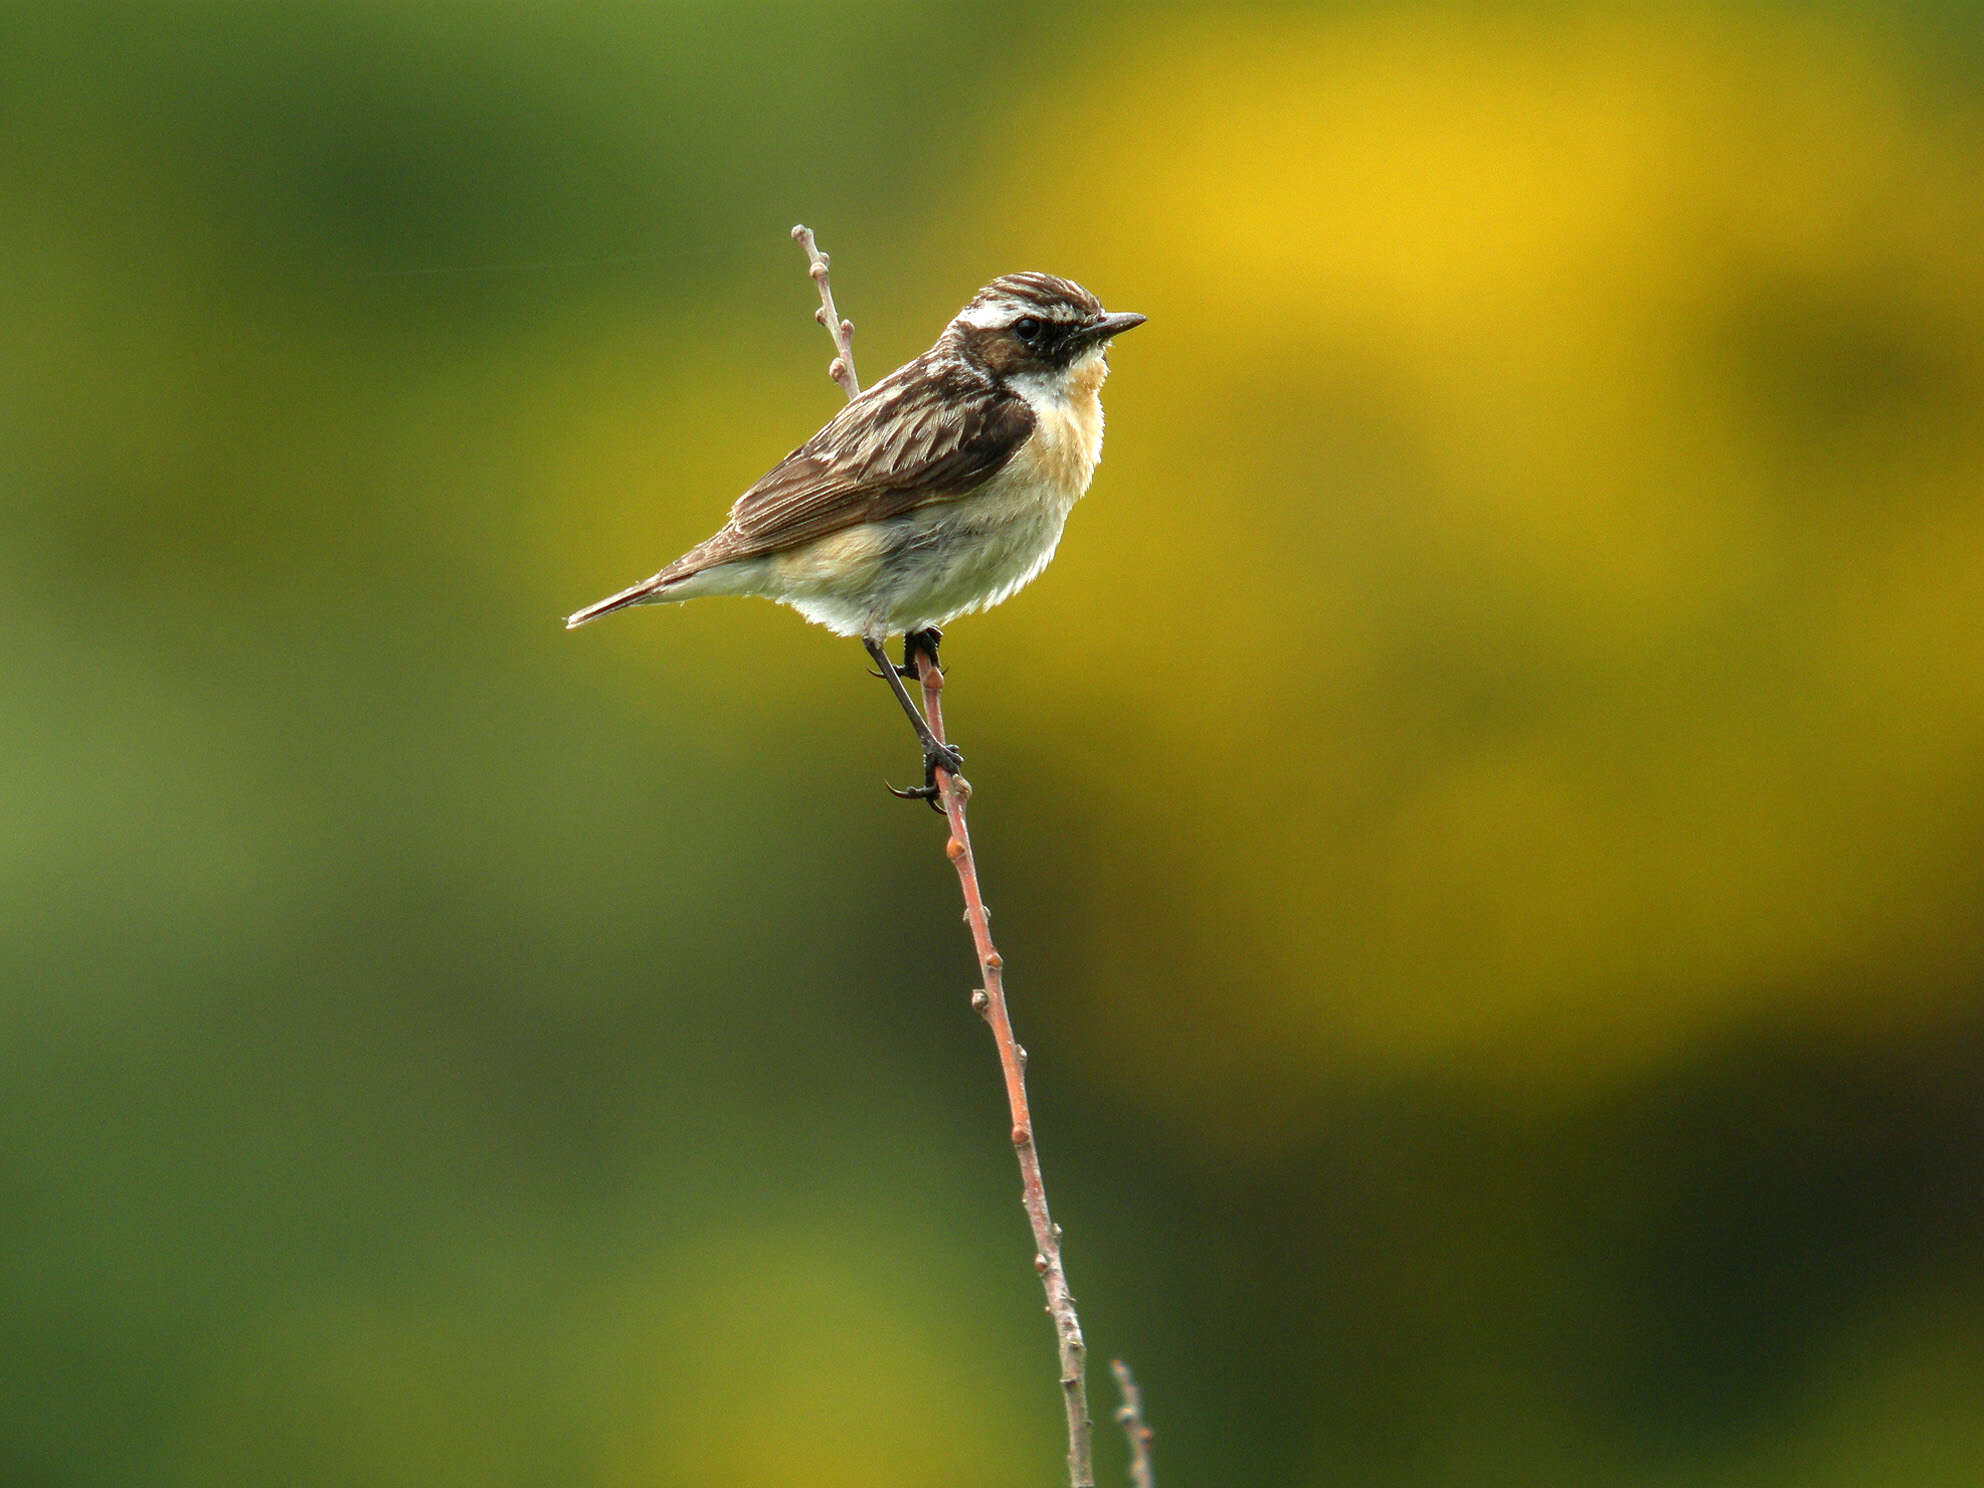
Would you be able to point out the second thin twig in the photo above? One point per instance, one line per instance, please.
(1136, 1431)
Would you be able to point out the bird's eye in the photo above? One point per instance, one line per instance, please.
(1027, 329)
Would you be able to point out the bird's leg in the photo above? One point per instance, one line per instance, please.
(936, 754)
(914, 641)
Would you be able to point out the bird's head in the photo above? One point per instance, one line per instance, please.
(1034, 325)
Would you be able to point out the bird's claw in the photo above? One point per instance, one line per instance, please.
(930, 793)
(935, 757)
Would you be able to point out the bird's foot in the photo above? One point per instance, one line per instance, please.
(918, 640)
(935, 757)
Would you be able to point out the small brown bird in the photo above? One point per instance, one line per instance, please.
(939, 491)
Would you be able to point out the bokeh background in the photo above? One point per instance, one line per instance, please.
(1485, 815)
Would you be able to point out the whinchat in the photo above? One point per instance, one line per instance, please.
(940, 490)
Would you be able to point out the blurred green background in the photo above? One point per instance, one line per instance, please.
(1485, 814)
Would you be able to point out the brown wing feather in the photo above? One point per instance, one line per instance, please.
(912, 439)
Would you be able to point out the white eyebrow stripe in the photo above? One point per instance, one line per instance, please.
(992, 315)
(996, 315)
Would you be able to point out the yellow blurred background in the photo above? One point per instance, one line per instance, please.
(1485, 814)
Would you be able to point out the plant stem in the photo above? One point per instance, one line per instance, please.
(990, 1002)
(841, 368)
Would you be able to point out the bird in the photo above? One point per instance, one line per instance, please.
(939, 491)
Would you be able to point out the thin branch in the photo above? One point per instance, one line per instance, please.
(990, 1000)
(841, 368)
(1130, 1415)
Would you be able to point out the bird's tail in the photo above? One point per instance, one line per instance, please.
(648, 591)
(701, 570)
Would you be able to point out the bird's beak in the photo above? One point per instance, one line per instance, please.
(1114, 325)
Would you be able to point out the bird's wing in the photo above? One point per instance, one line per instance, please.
(912, 439)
